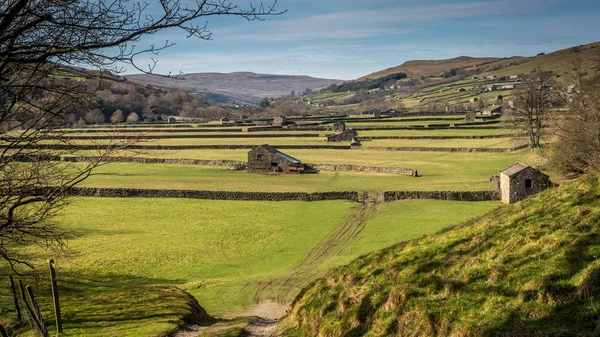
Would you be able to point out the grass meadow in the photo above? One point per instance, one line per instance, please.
(136, 266)
(128, 255)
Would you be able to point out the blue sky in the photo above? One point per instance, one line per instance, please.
(346, 39)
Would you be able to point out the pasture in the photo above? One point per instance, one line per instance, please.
(136, 266)
(127, 252)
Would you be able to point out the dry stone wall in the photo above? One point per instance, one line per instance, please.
(211, 195)
(443, 195)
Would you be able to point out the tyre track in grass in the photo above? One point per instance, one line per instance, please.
(308, 268)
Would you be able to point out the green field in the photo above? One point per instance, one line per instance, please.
(128, 252)
(134, 262)
(468, 143)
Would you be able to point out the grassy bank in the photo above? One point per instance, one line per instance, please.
(526, 269)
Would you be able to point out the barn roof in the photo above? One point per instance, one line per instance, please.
(493, 107)
(280, 154)
(516, 168)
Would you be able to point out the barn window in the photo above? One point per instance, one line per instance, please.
(274, 164)
(528, 183)
(259, 156)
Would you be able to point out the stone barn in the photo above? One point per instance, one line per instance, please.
(224, 121)
(470, 115)
(494, 109)
(171, 120)
(347, 136)
(339, 126)
(521, 181)
(280, 121)
(265, 158)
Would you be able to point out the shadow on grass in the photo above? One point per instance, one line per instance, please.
(109, 304)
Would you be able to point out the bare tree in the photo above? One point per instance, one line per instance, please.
(133, 118)
(532, 107)
(43, 46)
(577, 147)
(117, 117)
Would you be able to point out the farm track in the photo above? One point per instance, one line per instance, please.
(333, 245)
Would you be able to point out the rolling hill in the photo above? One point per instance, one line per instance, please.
(528, 269)
(238, 87)
(429, 68)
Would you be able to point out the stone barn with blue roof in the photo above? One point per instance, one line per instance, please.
(265, 158)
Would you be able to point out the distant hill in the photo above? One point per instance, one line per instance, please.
(430, 68)
(559, 62)
(529, 269)
(238, 87)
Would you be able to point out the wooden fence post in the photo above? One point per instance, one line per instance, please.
(37, 312)
(55, 296)
(28, 310)
(14, 292)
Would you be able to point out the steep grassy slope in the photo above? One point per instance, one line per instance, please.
(560, 62)
(429, 68)
(529, 269)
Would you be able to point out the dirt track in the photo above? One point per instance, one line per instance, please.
(333, 245)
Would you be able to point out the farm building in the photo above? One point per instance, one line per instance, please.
(339, 126)
(474, 100)
(265, 158)
(279, 121)
(494, 109)
(372, 112)
(491, 88)
(460, 90)
(521, 181)
(347, 136)
(171, 120)
(470, 115)
(509, 86)
(224, 121)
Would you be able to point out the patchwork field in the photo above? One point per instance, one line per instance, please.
(137, 266)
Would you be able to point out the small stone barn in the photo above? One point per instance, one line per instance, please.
(521, 181)
(339, 126)
(172, 120)
(494, 109)
(224, 121)
(265, 158)
(347, 135)
(280, 121)
(470, 115)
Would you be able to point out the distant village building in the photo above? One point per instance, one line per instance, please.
(372, 112)
(279, 121)
(265, 158)
(509, 86)
(521, 181)
(494, 109)
(347, 136)
(516, 77)
(224, 121)
(460, 90)
(339, 126)
(172, 120)
(492, 77)
(491, 88)
(474, 100)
